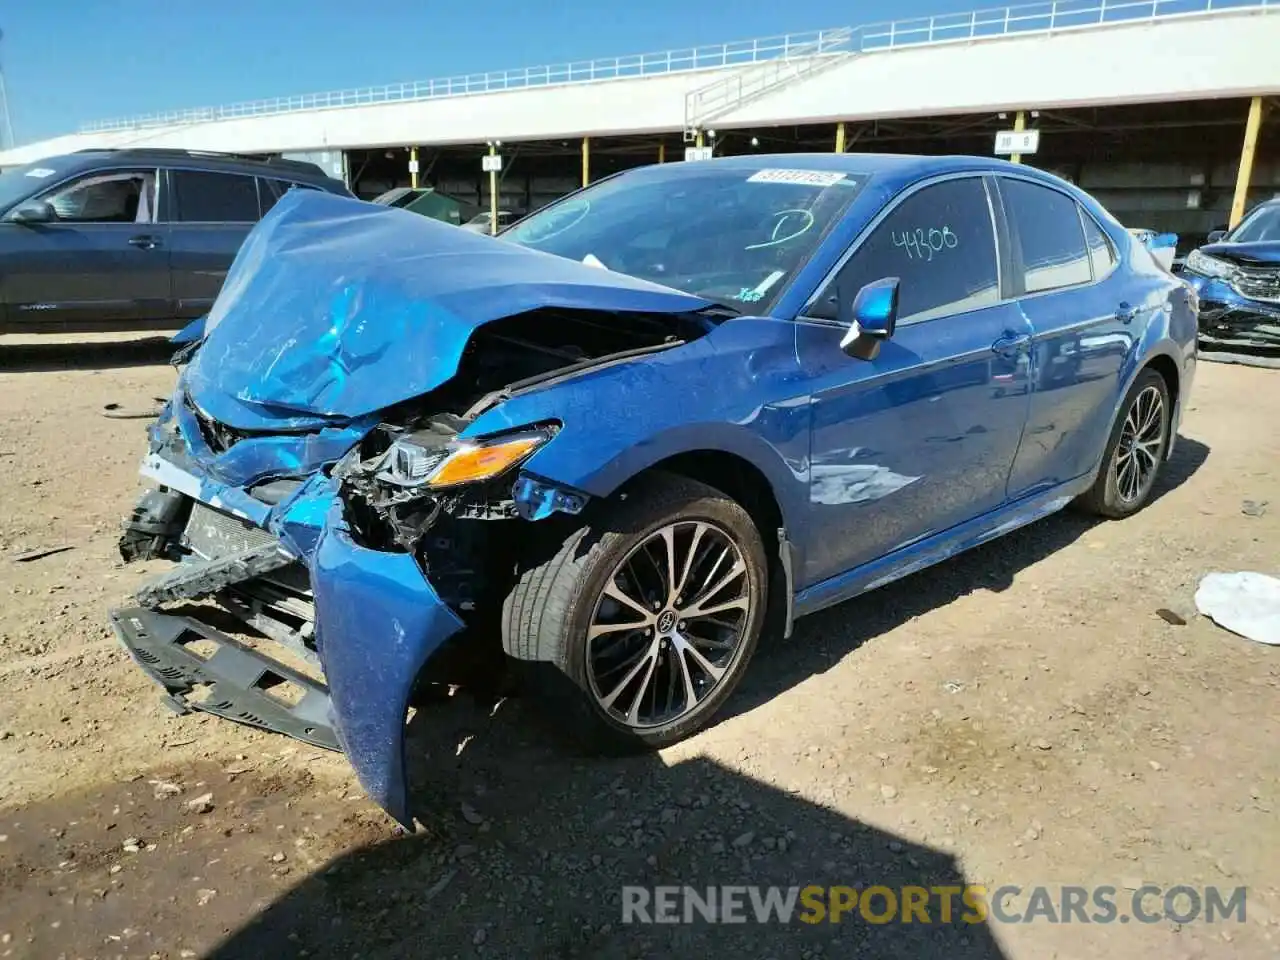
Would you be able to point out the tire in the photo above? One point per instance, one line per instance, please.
(1115, 493)
(556, 602)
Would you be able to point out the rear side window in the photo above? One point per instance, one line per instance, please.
(204, 197)
(1102, 256)
(939, 243)
(1047, 235)
(270, 190)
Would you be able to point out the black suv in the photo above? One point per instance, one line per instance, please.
(126, 239)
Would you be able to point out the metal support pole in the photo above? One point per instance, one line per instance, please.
(662, 152)
(1245, 174)
(699, 141)
(493, 195)
(1019, 124)
(586, 160)
(413, 167)
(840, 137)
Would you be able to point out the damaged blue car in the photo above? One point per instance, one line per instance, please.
(619, 439)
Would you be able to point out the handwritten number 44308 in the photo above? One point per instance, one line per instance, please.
(922, 244)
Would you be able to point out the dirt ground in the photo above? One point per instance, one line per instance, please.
(1020, 715)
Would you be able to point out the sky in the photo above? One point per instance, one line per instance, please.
(67, 62)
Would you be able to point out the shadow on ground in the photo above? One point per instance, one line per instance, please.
(529, 844)
(822, 640)
(542, 874)
(27, 357)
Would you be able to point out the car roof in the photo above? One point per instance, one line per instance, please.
(279, 168)
(897, 167)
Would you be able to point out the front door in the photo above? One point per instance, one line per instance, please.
(923, 437)
(103, 259)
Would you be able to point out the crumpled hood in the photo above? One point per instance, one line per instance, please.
(336, 308)
(1259, 252)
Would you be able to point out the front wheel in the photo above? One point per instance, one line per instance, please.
(1135, 450)
(653, 610)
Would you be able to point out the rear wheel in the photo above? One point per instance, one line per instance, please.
(1135, 451)
(652, 610)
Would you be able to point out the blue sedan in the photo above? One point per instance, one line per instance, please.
(618, 439)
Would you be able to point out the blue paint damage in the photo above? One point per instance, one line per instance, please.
(379, 621)
(311, 327)
(337, 316)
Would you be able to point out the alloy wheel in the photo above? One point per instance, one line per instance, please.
(669, 624)
(1137, 455)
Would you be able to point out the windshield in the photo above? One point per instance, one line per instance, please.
(725, 233)
(1263, 224)
(18, 183)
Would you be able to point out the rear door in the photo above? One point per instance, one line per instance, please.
(1067, 285)
(105, 259)
(209, 213)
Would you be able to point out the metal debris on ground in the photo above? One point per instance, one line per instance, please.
(1245, 603)
(114, 411)
(42, 552)
(1253, 508)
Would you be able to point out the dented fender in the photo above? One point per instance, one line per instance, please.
(731, 392)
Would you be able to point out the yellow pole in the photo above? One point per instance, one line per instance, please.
(1019, 124)
(493, 195)
(413, 167)
(840, 137)
(1245, 173)
(662, 152)
(586, 160)
(699, 143)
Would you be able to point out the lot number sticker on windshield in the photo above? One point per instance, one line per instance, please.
(808, 178)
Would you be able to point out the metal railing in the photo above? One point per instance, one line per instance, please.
(1028, 18)
(741, 86)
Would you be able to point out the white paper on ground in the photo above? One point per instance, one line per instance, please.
(1244, 603)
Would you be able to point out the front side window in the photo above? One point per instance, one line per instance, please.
(940, 244)
(730, 234)
(106, 198)
(1046, 233)
(204, 197)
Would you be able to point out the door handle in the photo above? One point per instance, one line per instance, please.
(1126, 312)
(1012, 344)
(144, 242)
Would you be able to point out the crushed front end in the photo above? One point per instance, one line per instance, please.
(238, 514)
(1239, 299)
(329, 565)
(327, 511)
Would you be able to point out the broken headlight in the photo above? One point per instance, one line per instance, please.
(415, 461)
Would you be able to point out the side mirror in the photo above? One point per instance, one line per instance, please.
(1216, 236)
(872, 319)
(34, 211)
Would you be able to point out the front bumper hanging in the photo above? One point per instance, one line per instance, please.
(239, 680)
